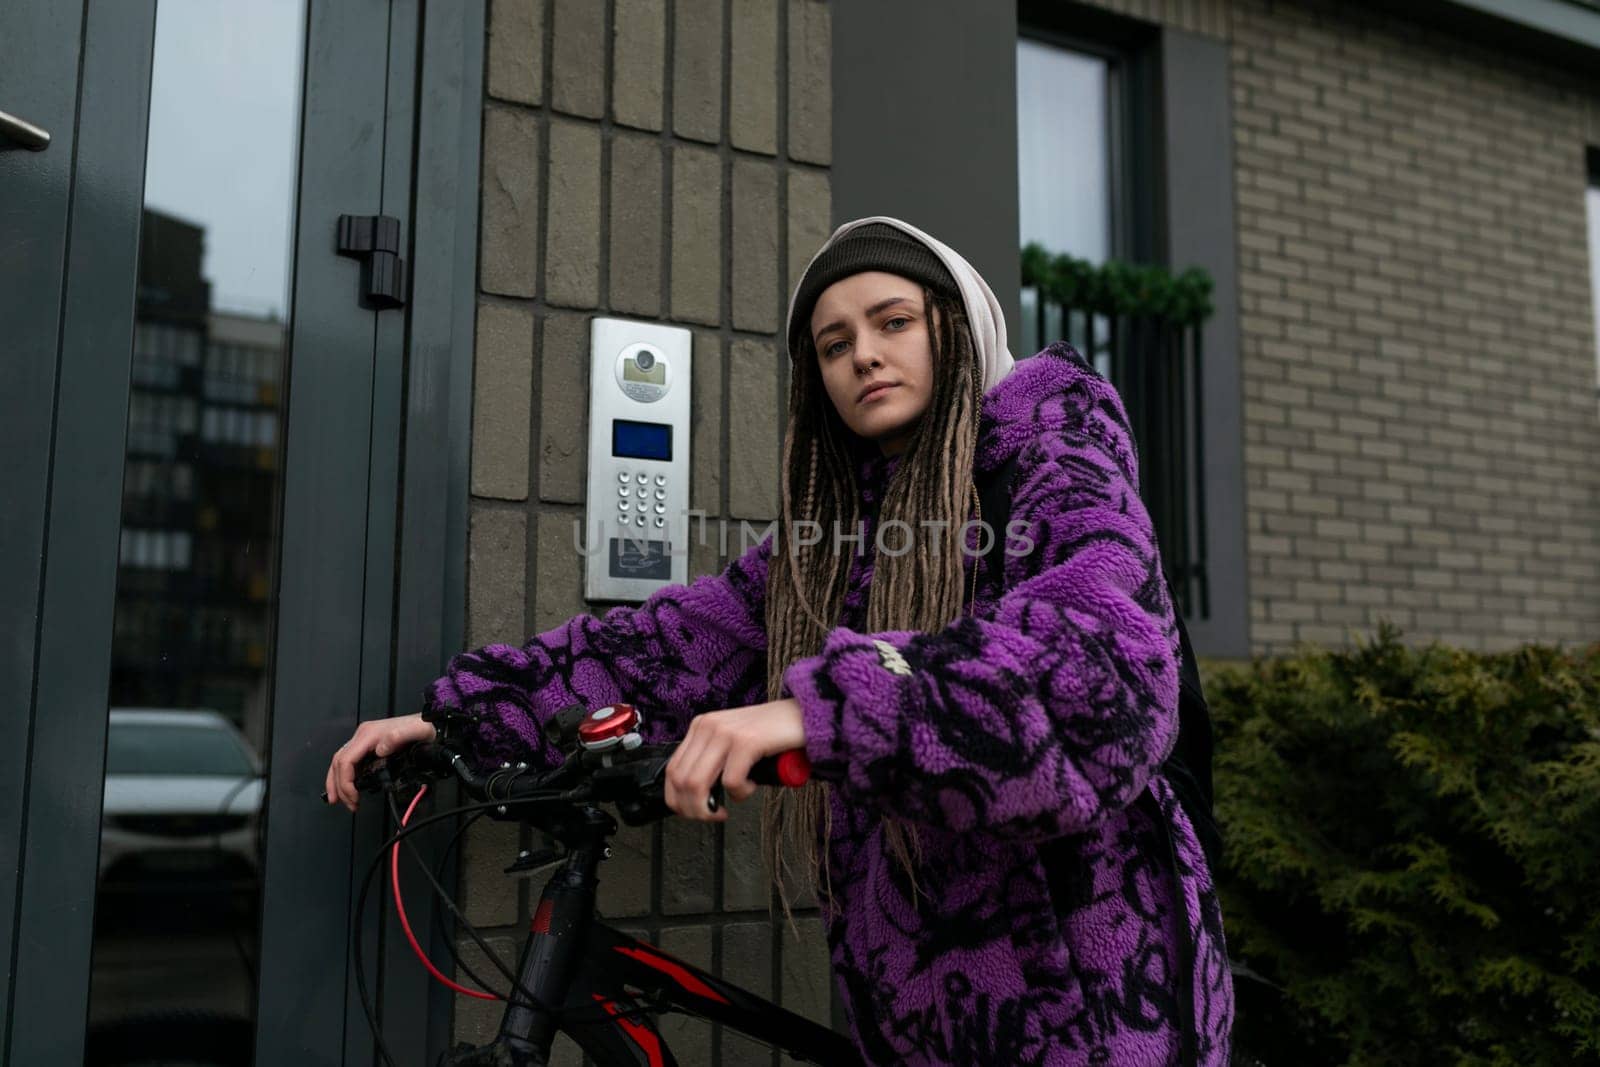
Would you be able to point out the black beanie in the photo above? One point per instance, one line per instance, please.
(875, 246)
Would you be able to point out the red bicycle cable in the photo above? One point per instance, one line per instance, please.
(405, 923)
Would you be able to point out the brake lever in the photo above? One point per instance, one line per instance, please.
(415, 765)
(527, 862)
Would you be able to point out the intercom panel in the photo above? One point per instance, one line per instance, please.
(636, 533)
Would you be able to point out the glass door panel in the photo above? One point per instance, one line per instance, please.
(179, 889)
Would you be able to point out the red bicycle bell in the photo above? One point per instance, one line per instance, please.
(612, 725)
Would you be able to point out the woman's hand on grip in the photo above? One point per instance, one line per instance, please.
(725, 745)
(377, 737)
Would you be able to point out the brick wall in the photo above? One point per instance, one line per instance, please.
(1419, 360)
(1418, 356)
(664, 160)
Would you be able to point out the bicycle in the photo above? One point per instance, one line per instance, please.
(577, 975)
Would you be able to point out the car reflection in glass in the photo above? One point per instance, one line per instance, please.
(177, 913)
(182, 805)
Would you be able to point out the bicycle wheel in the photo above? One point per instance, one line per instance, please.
(172, 1039)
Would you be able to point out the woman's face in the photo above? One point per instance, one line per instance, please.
(875, 355)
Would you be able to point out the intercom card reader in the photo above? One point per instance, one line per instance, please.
(636, 532)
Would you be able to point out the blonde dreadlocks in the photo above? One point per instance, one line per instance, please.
(919, 590)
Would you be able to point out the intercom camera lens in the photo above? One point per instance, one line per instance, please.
(645, 359)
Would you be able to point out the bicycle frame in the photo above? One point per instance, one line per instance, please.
(573, 960)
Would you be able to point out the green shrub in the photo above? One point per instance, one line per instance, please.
(1413, 854)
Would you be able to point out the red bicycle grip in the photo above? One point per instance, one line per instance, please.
(794, 768)
(791, 769)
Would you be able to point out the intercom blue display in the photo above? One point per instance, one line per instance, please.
(641, 440)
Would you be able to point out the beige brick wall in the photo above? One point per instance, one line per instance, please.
(1206, 17)
(1418, 356)
(661, 161)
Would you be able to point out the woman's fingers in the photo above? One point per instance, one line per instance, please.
(344, 774)
(693, 769)
(669, 777)
(702, 775)
(350, 756)
(736, 774)
(676, 779)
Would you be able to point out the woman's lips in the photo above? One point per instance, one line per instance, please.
(875, 392)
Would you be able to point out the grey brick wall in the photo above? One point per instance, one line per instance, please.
(1417, 351)
(663, 160)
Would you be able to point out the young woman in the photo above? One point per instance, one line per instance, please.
(979, 726)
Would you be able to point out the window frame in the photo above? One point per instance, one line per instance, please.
(1171, 133)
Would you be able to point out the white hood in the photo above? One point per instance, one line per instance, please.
(987, 320)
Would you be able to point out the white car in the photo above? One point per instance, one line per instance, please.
(183, 800)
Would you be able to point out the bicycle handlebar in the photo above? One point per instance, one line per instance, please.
(633, 779)
(606, 760)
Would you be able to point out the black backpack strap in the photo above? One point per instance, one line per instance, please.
(994, 498)
(1187, 1024)
(1188, 767)
(1196, 734)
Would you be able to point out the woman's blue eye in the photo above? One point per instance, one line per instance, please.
(900, 319)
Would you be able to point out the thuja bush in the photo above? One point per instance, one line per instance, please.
(1412, 871)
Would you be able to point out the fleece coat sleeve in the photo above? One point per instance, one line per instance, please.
(685, 650)
(1044, 716)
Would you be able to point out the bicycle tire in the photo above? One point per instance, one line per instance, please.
(172, 1039)
(470, 1056)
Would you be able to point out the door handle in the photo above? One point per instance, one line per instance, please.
(22, 132)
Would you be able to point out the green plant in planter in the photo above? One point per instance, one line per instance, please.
(1413, 854)
(1116, 288)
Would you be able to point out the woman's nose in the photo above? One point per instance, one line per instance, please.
(866, 357)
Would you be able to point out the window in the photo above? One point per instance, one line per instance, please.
(1064, 150)
(1086, 153)
(1064, 169)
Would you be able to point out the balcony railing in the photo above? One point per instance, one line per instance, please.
(1141, 328)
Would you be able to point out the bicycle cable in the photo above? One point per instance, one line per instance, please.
(642, 1007)
(366, 887)
(437, 911)
(373, 867)
(405, 920)
(440, 894)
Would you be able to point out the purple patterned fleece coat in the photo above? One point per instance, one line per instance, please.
(1017, 739)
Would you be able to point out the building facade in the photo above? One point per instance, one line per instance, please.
(298, 301)
(1402, 274)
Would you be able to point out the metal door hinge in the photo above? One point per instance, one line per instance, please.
(375, 240)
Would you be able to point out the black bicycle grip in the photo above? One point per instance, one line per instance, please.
(417, 762)
(789, 769)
